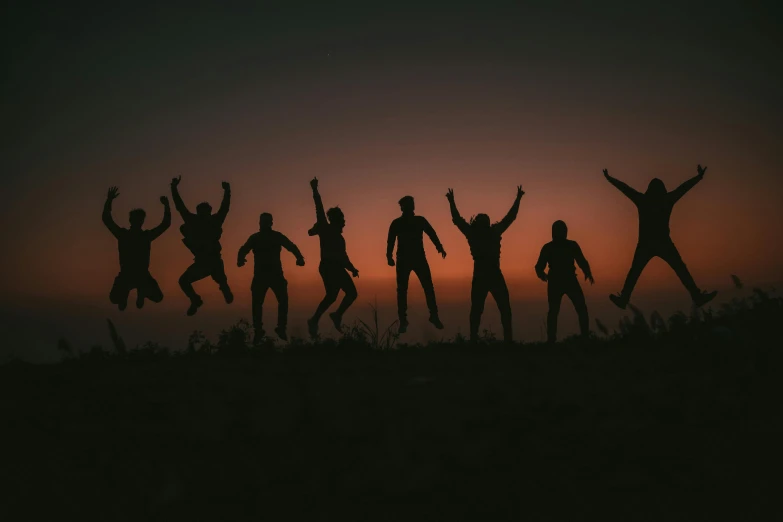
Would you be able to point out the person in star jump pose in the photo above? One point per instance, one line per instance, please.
(655, 209)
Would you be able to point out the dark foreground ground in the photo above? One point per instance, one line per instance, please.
(674, 421)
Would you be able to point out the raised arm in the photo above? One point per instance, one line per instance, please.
(166, 223)
(225, 204)
(512, 214)
(178, 203)
(632, 194)
(291, 247)
(680, 191)
(390, 240)
(108, 220)
(320, 215)
(458, 220)
(543, 259)
(433, 237)
(580, 259)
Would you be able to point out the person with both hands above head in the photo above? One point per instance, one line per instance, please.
(407, 231)
(201, 233)
(266, 245)
(655, 209)
(560, 254)
(134, 245)
(484, 241)
(334, 262)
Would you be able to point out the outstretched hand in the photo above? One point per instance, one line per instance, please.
(520, 192)
(300, 261)
(390, 261)
(225, 185)
(589, 277)
(314, 183)
(241, 262)
(701, 170)
(164, 200)
(113, 193)
(175, 181)
(450, 195)
(606, 173)
(442, 253)
(355, 272)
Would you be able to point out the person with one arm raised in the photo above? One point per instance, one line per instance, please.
(135, 245)
(655, 209)
(335, 264)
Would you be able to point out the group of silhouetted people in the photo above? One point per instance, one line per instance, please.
(201, 233)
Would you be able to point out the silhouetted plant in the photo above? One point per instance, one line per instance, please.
(657, 323)
(737, 282)
(117, 342)
(601, 327)
(236, 339)
(379, 340)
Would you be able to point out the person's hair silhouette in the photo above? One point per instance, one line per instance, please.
(334, 262)
(407, 231)
(201, 233)
(266, 245)
(134, 245)
(655, 208)
(484, 241)
(560, 254)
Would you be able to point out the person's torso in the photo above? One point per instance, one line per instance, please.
(485, 247)
(410, 237)
(202, 235)
(134, 247)
(332, 243)
(561, 256)
(266, 247)
(654, 215)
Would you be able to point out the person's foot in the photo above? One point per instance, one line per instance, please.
(337, 319)
(281, 333)
(195, 303)
(435, 320)
(403, 327)
(704, 298)
(312, 327)
(618, 301)
(229, 297)
(139, 301)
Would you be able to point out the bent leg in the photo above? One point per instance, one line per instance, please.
(195, 272)
(349, 289)
(670, 254)
(280, 289)
(554, 293)
(218, 274)
(119, 292)
(403, 276)
(499, 291)
(258, 289)
(149, 289)
(332, 288)
(422, 270)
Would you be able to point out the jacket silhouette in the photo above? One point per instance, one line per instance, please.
(484, 241)
(134, 247)
(201, 233)
(266, 245)
(334, 262)
(655, 208)
(561, 254)
(408, 231)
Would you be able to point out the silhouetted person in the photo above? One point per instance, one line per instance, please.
(560, 254)
(201, 233)
(334, 262)
(655, 208)
(484, 240)
(266, 245)
(407, 230)
(134, 245)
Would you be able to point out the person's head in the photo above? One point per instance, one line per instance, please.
(656, 188)
(204, 209)
(336, 217)
(559, 230)
(136, 217)
(480, 221)
(265, 221)
(406, 204)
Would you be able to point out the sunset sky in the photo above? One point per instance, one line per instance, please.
(379, 103)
